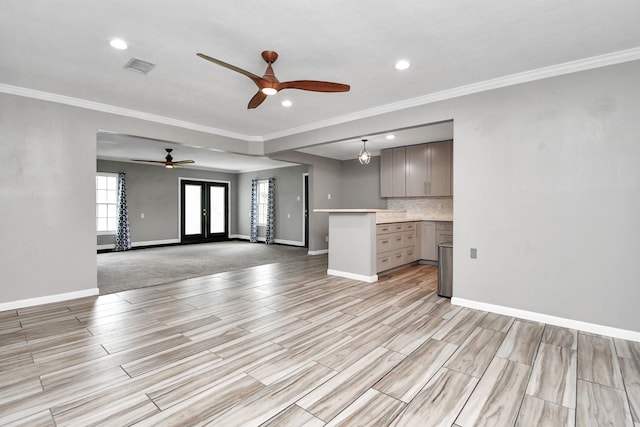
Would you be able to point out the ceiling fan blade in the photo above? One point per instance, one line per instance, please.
(256, 79)
(149, 161)
(257, 99)
(314, 86)
(183, 162)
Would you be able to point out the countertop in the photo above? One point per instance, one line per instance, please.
(385, 216)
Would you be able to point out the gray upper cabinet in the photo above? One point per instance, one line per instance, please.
(392, 172)
(440, 166)
(417, 171)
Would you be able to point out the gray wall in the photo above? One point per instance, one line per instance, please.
(361, 185)
(547, 187)
(47, 182)
(547, 181)
(324, 180)
(288, 209)
(154, 190)
(47, 191)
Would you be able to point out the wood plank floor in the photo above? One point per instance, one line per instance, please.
(286, 345)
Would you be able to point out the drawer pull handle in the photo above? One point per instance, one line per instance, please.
(384, 242)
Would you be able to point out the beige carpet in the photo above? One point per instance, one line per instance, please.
(121, 271)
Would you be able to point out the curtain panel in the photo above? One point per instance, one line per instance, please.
(271, 216)
(253, 231)
(123, 235)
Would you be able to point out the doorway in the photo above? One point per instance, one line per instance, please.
(204, 211)
(305, 209)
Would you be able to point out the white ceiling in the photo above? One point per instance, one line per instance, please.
(61, 47)
(349, 149)
(119, 147)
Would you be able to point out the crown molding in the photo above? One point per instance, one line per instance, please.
(106, 108)
(497, 83)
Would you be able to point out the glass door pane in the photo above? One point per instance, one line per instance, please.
(192, 209)
(217, 208)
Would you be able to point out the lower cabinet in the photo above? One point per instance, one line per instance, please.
(395, 245)
(400, 243)
(432, 234)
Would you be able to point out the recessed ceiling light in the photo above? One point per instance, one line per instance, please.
(287, 103)
(402, 65)
(118, 44)
(391, 136)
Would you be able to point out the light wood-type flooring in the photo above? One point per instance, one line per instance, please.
(286, 345)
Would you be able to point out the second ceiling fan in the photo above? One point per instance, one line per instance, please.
(270, 85)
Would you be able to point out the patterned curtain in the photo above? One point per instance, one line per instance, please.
(123, 237)
(253, 237)
(271, 217)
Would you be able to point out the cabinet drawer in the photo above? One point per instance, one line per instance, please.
(444, 226)
(397, 258)
(383, 244)
(383, 228)
(408, 226)
(410, 255)
(397, 240)
(409, 238)
(444, 237)
(397, 226)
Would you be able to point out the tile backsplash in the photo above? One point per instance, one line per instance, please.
(431, 206)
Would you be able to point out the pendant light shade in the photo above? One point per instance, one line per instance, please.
(364, 157)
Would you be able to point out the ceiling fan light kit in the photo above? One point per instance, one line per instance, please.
(269, 85)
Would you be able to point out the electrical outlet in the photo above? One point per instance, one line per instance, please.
(288, 216)
(474, 253)
(297, 198)
(329, 196)
(326, 238)
(141, 216)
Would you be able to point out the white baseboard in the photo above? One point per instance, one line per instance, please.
(147, 243)
(318, 252)
(262, 239)
(552, 320)
(23, 303)
(362, 278)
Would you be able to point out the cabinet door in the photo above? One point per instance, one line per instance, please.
(416, 162)
(386, 173)
(398, 176)
(440, 155)
(428, 247)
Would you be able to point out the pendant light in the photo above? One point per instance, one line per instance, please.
(364, 157)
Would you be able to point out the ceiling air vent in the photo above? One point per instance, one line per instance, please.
(139, 66)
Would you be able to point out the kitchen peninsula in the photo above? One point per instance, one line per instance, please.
(363, 242)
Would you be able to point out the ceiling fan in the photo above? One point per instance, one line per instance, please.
(168, 160)
(270, 85)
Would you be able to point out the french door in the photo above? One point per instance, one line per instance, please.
(204, 211)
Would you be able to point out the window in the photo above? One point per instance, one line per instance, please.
(263, 200)
(106, 202)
